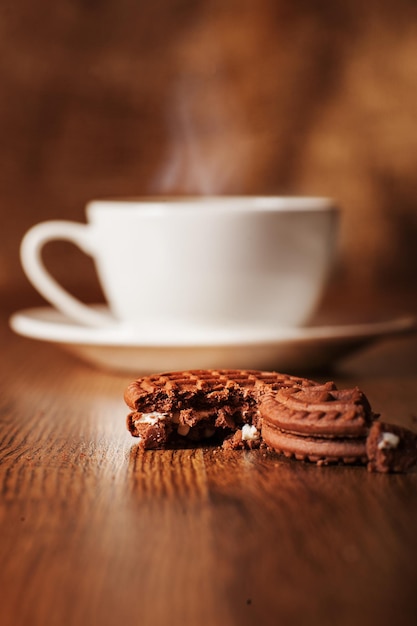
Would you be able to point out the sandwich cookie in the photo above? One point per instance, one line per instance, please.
(318, 423)
(390, 448)
(213, 406)
(294, 416)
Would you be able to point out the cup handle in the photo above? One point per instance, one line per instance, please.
(31, 259)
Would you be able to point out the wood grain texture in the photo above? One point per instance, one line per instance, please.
(94, 531)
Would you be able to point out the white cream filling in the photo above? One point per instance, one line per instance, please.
(249, 433)
(150, 418)
(388, 440)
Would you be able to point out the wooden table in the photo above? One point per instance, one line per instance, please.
(93, 532)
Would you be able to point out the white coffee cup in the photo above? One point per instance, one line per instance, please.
(196, 264)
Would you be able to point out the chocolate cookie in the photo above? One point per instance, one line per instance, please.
(243, 408)
(321, 410)
(391, 448)
(320, 450)
(216, 406)
(317, 423)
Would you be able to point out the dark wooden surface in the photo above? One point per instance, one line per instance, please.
(94, 532)
(266, 96)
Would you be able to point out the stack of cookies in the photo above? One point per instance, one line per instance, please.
(294, 416)
(320, 424)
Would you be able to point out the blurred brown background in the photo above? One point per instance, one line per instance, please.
(124, 97)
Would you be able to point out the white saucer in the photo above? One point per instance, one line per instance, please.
(289, 350)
